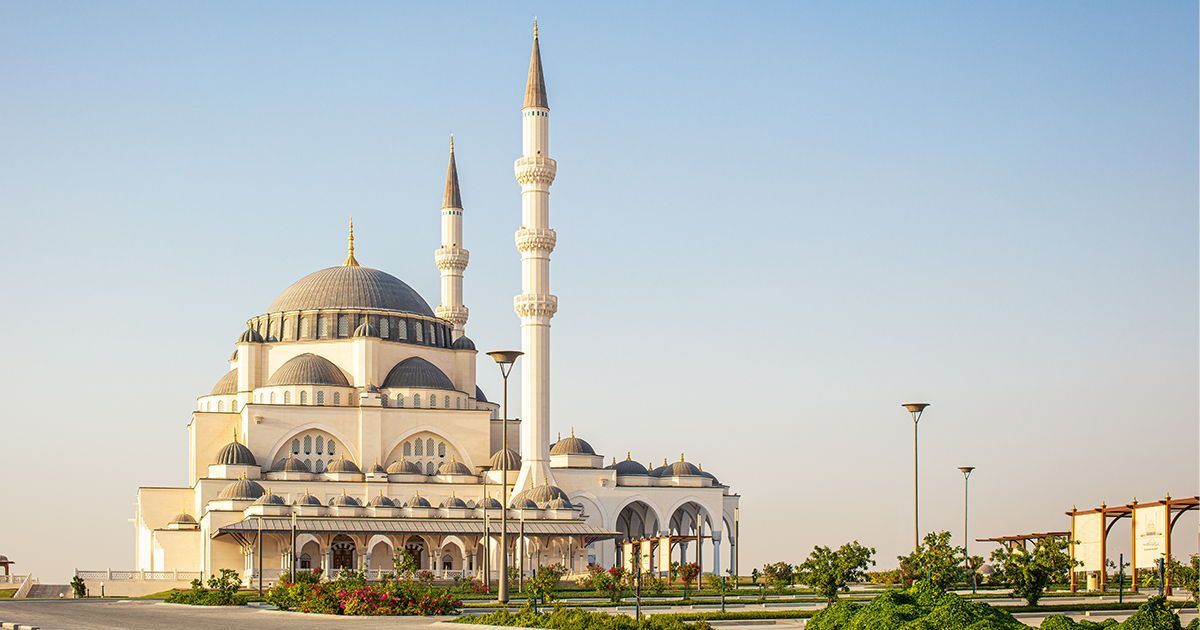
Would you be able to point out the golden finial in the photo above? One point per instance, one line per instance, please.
(628, 456)
(535, 27)
(560, 436)
(452, 142)
(614, 460)
(681, 457)
(572, 431)
(350, 260)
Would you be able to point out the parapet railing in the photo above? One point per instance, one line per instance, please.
(129, 576)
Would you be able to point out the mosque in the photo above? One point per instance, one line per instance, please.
(350, 425)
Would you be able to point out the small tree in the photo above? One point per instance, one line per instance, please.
(78, 588)
(688, 572)
(754, 575)
(541, 586)
(611, 582)
(780, 575)
(936, 560)
(404, 563)
(829, 571)
(1030, 573)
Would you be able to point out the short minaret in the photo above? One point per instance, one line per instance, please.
(451, 258)
(535, 305)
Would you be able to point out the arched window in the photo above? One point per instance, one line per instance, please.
(343, 326)
(320, 398)
(320, 445)
(308, 464)
(320, 466)
(432, 401)
(428, 468)
(295, 447)
(287, 329)
(416, 400)
(418, 329)
(304, 327)
(402, 329)
(420, 450)
(307, 444)
(220, 405)
(330, 445)
(323, 326)
(303, 397)
(429, 446)
(272, 399)
(287, 398)
(432, 338)
(457, 403)
(399, 400)
(441, 449)
(407, 449)
(383, 399)
(274, 331)
(337, 398)
(385, 328)
(446, 402)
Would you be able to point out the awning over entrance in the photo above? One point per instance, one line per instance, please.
(371, 525)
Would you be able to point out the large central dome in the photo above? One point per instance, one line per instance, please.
(350, 287)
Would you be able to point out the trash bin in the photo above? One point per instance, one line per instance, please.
(1093, 582)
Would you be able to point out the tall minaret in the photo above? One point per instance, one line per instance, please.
(535, 305)
(451, 258)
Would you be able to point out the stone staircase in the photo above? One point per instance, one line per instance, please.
(49, 591)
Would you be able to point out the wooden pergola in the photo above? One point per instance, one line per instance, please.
(1021, 540)
(1174, 509)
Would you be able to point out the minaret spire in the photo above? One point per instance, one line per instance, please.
(451, 258)
(350, 260)
(535, 305)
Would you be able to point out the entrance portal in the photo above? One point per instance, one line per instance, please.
(343, 553)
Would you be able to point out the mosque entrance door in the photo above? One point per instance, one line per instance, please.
(343, 553)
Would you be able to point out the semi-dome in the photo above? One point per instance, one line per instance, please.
(542, 494)
(291, 463)
(453, 502)
(498, 460)
(419, 501)
(308, 369)
(235, 454)
(350, 287)
(628, 466)
(382, 501)
(479, 395)
(227, 385)
(404, 467)
(572, 446)
(242, 490)
(417, 372)
(250, 336)
(365, 329)
(308, 500)
(343, 465)
(270, 498)
(453, 467)
(463, 343)
(344, 500)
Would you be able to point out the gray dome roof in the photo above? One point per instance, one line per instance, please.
(419, 501)
(463, 343)
(308, 369)
(377, 469)
(291, 463)
(417, 372)
(235, 454)
(479, 395)
(309, 500)
(571, 446)
(628, 467)
(559, 504)
(183, 518)
(382, 501)
(365, 329)
(250, 336)
(453, 502)
(270, 499)
(404, 467)
(227, 385)
(514, 460)
(543, 494)
(680, 468)
(343, 465)
(453, 467)
(344, 500)
(242, 490)
(350, 287)
(490, 503)
(704, 473)
(523, 504)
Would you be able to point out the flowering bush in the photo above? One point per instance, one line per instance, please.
(221, 591)
(351, 595)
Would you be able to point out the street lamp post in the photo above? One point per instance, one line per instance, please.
(966, 471)
(915, 409)
(505, 359)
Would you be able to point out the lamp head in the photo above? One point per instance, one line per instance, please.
(966, 470)
(505, 359)
(915, 407)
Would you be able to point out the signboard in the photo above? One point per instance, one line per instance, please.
(1150, 534)
(627, 556)
(1089, 532)
(664, 554)
(647, 555)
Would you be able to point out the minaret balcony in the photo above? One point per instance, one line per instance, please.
(451, 258)
(532, 239)
(535, 170)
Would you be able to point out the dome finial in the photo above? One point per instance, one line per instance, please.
(628, 456)
(350, 260)
(535, 27)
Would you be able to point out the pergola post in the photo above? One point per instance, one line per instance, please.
(1133, 576)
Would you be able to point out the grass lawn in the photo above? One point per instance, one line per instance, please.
(7, 593)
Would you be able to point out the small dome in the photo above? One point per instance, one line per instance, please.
(453, 467)
(235, 454)
(378, 470)
(543, 494)
(343, 465)
(711, 476)
(523, 504)
(571, 446)
(308, 500)
(227, 385)
(270, 498)
(382, 501)
(308, 369)
(419, 501)
(404, 467)
(453, 502)
(183, 518)
(680, 468)
(489, 503)
(344, 500)
(417, 372)
(242, 490)
(463, 343)
(350, 287)
(365, 329)
(628, 467)
(291, 464)
(559, 504)
(498, 460)
(250, 336)
(479, 395)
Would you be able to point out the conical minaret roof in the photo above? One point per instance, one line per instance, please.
(452, 197)
(535, 87)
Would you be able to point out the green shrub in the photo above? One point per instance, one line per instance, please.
(221, 591)
(575, 619)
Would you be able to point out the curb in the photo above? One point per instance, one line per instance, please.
(17, 626)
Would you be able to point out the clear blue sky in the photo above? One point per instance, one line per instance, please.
(777, 221)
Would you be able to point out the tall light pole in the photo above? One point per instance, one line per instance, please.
(915, 409)
(966, 471)
(505, 359)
